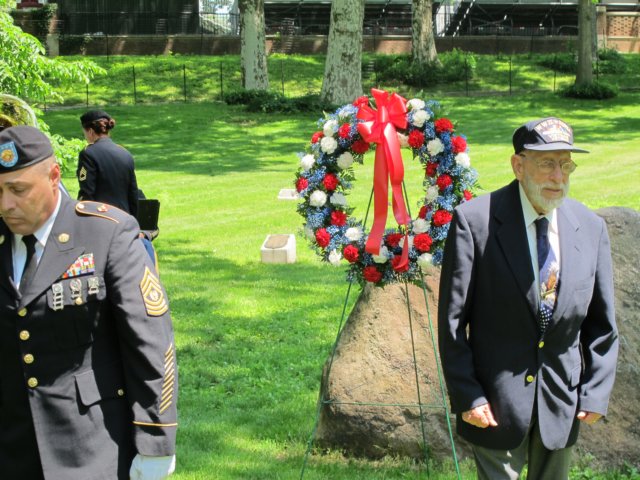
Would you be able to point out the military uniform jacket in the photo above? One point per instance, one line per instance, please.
(87, 358)
(488, 289)
(106, 174)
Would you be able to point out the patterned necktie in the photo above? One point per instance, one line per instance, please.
(549, 273)
(30, 263)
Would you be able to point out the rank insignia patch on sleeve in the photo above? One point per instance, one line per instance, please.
(152, 294)
(82, 175)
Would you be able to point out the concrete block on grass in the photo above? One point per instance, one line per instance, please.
(279, 249)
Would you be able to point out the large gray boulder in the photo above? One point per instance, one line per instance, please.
(374, 366)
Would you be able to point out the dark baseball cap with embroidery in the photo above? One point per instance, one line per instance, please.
(546, 134)
(22, 146)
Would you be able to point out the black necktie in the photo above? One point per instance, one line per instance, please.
(542, 240)
(30, 263)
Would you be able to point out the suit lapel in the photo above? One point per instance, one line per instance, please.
(512, 238)
(57, 256)
(6, 261)
(568, 226)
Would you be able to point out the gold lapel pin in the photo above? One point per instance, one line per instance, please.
(63, 237)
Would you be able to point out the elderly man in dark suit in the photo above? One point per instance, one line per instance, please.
(527, 332)
(88, 381)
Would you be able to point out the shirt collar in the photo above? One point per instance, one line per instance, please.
(530, 214)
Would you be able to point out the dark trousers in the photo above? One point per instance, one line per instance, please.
(543, 464)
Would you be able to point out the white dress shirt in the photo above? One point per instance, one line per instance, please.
(530, 216)
(20, 249)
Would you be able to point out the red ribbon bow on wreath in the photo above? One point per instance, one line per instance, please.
(379, 127)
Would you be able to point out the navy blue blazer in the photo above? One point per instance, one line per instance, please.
(490, 346)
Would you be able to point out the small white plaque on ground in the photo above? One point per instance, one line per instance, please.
(279, 249)
(288, 194)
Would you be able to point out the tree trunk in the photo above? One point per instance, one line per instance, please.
(586, 22)
(342, 81)
(423, 45)
(253, 53)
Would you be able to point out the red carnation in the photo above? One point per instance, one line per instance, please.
(458, 144)
(371, 274)
(316, 137)
(361, 101)
(330, 182)
(301, 184)
(344, 131)
(443, 125)
(467, 195)
(431, 169)
(423, 211)
(422, 242)
(443, 181)
(416, 139)
(441, 217)
(395, 263)
(360, 146)
(338, 218)
(350, 252)
(322, 237)
(393, 239)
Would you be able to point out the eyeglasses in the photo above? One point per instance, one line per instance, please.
(549, 166)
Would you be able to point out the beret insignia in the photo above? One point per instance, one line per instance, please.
(8, 155)
(154, 300)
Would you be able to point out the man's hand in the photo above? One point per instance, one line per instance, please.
(588, 417)
(152, 468)
(481, 417)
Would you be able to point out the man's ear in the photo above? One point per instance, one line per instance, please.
(517, 164)
(54, 174)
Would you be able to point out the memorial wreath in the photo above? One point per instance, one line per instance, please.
(384, 255)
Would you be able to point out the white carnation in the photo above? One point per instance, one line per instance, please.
(463, 160)
(330, 127)
(432, 193)
(334, 258)
(416, 104)
(419, 117)
(328, 145)
(425, 261)
(345, 160)
(309, 233)
(401, 243)
(318, 198)
(434, 147)
(354, 234)
(338, 199)
(403, 140)
(307, 162)
(420, 225)
(382, 256)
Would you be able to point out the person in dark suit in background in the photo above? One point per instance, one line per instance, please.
(106, 171)
(88, 374)
(527, 333)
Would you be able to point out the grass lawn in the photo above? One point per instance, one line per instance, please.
(252, 338)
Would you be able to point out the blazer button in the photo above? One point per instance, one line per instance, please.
(530, 378)
(24, 335)
(120, 392)
(28, 359)
(32, 382)
(22, 312)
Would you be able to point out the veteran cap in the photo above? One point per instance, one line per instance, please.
(93, 115)
(545, 135)
(22, 146)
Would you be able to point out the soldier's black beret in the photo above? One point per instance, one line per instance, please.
(93, 115)
(22, 146)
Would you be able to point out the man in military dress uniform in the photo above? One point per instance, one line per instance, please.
(88, 379)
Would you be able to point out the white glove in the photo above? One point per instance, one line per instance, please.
(152, 468)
